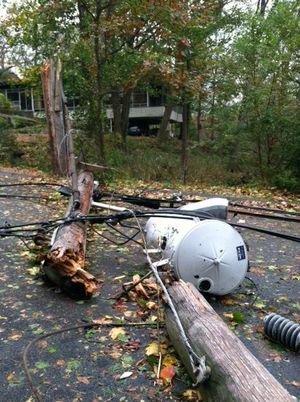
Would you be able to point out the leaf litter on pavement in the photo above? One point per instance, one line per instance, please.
(125, 361)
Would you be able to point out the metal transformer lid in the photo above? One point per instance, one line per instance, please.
(212, 255)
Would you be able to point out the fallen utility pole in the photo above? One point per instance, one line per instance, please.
(236, 375)
(65, 261)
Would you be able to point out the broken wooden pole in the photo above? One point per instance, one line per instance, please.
(236, 375)
(54, 110)
(64, 265)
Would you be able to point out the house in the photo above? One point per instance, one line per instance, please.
(24, 98)
(21, 97)
(146, 111)
(147, 107)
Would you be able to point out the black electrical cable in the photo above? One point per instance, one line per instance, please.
(179, 214)
(128, 238)
(38, 223)
(40, 197)
(279, 211)
(269, 232)
(30, 184)
(266, 216)
(158, 201)
(256, 291)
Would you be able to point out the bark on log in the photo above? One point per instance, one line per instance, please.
(236, 375)
(64, 264)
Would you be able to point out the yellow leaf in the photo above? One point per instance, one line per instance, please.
(228, 315)
(129, 313)
(228, 302)
(192, 395)
(154, 348)
(11, 376)
(151, 305)
(169, 361)
(15, 337)
(115, 332)
(24, 253)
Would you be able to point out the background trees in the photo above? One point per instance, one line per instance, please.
(235, 71)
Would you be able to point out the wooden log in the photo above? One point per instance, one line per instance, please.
(64, 264)
(236, 375)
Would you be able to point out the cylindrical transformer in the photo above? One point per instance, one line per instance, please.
(209, 253)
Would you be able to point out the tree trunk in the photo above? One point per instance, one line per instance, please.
(200, 124)
(261, 7)
(125, 114)
(162, 133)
(64, 264)
(98, 93)
(117, 110)
(236, 375)
(184, 140)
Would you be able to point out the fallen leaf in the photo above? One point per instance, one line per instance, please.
(41, 364)
(259, 304)
(154, 348)
(43, 344)
(293, 383)
(275, 357)
(238, 317)
(33, 271)
(129, 314)
(116, 332)
(115, 355)
(15, 337)
(192, 395)
(167, 373)
(151, 305)
(11, 376)
(169, 361)
(125, 375)
(228, 301)
(132, 345)
(83, 380)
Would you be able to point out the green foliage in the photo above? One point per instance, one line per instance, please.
(237, 69)
(252, 110)
(5, 105)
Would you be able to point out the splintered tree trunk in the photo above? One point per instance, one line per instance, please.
(64, 264)
(236, 375)
(53, 100)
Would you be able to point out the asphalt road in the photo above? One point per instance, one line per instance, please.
(87, 365)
